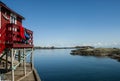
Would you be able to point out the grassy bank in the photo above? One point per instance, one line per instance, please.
(110, 52)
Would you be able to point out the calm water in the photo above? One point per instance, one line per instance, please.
(59, 65)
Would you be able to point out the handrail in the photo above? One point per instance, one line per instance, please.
(15, 35)
(10, 37)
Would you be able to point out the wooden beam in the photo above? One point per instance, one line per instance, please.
(19, 57)
(12, 59)
(32, 59)
(7, 60)
(24, 61)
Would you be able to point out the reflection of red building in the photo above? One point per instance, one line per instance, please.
(12, 34)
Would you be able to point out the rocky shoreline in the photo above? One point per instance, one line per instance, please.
(100, 52)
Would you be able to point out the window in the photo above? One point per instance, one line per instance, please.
(13, 19)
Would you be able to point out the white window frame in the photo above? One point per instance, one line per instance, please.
(13, 18)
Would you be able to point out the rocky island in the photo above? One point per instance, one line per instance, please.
(91, 51)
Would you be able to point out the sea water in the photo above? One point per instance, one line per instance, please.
(60, 65)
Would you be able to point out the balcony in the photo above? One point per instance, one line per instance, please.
(14, 39)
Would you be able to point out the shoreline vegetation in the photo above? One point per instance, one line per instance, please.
(98, 52)
(89, 51)
(53, 47)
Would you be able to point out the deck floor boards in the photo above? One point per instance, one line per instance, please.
(19, 73)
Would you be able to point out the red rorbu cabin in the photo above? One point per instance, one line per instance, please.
(12, 33)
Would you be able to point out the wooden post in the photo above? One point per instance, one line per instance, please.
(7, 60)
(19, 57)
(24, 61)
(12, 59)
(32, 59)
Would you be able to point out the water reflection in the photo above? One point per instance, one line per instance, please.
(59, 65)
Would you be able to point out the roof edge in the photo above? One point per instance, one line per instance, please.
(4, 5)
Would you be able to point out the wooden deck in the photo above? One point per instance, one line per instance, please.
(31, 75)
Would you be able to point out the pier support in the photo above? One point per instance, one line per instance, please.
(6, 60)
(12, 59)
(31, 59)
(24, 61)
(19, 57)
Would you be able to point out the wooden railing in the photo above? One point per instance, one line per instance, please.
(14, 40)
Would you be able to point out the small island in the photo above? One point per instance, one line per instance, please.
(100, 52)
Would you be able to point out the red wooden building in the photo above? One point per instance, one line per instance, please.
(12, 33)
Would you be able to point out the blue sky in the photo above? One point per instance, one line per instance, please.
(71, 22)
